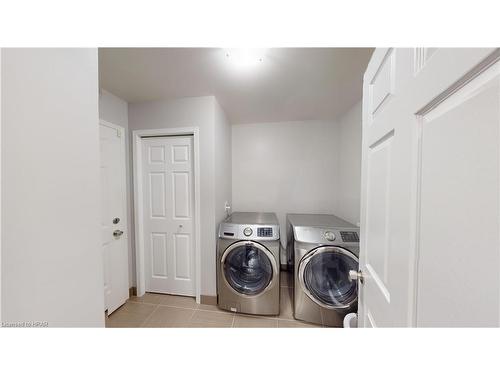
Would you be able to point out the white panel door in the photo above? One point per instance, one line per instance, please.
(458, 205)
(385, 194)
(167, 167)
(113, 216)
(430, 188)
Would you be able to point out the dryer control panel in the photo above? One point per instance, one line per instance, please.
(249, 231)
(329, 236)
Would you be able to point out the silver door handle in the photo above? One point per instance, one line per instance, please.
(356, 275)
(117, 233)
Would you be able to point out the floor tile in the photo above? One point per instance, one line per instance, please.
(286, 310)
(120, 324)
(211, 308)
(295, 324)
(177, 301)
(167, 316)
(162, 310)
(146, 298)
(202, 318)
(242, 321)
(131, 314)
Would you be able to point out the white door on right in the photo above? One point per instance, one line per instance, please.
(431, 188)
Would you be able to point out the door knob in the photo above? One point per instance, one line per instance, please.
(117, 233)
(356, 275)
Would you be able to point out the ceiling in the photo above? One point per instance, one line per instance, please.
(289, 84)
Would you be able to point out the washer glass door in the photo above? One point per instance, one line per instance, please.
(247, 268)
(325, 277)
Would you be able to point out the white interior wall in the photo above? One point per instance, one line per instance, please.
(285, 167)
(223, 168)
(198, 112)
(349, 179)
(115, 110)
(51, 260)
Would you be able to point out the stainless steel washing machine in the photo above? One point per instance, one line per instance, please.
(325, 248)
(248, 263)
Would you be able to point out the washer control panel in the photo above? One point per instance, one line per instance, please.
(249, 231)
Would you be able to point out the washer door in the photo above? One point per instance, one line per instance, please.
(324, 277)
(248, 268)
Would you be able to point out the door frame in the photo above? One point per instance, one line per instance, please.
(137, 136)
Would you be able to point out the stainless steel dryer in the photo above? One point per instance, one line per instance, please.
(248, 263)
(325, 248)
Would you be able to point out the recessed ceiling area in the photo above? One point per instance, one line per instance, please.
(265, 85)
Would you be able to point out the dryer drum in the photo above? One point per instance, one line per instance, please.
(326, 277)
(248, 270)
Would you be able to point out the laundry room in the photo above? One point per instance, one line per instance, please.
(265, 186)
(281, 146)
(244, 187)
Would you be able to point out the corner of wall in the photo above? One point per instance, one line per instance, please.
(350, 133)
(223, 158)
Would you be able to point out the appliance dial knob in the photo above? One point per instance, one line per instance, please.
(330, 236)
(247, 231)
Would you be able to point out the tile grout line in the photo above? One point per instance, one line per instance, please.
(198, 308)
(148, 317)
(192, 315)
(181, 307)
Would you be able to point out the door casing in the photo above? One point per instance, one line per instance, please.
(137, 136)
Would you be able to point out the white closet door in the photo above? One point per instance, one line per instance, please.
(114, 216)
(167, 166)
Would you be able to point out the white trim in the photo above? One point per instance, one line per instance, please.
(137, 136)
(0, 187)
(113, 126)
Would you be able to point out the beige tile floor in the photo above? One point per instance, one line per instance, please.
(161, 310)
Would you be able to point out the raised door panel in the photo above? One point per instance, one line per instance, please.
(180, 153)
(157, 194)
(181, 195)
(156, 154)
(182, 255)
(159, 261)
(378, 212)
(382, 84)
(458, 269)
